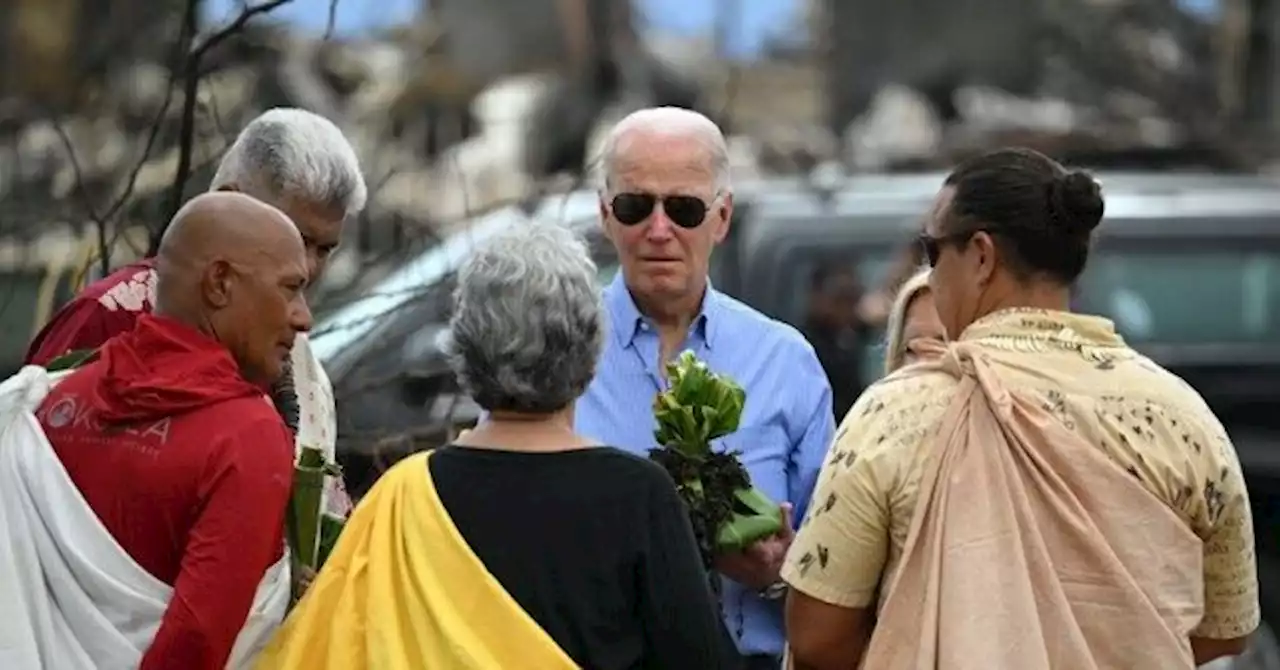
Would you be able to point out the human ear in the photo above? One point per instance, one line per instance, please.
(987, 254)
(216, 282)
(605, 223)
(725, 214)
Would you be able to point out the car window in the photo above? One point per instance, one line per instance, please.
(873, 264)
(1185, 296)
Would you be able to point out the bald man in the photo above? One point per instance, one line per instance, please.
(169, 442)
(291, 159)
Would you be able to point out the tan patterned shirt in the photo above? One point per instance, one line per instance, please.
(1147, 421)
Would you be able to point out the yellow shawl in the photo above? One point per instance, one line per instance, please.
(403, 591)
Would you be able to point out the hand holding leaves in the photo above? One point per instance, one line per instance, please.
(700, 406)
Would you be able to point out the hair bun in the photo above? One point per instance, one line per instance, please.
(1075, 200)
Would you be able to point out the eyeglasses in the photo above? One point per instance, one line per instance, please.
(933, 245)
(686, 211)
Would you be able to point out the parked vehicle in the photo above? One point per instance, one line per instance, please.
(1187, 265)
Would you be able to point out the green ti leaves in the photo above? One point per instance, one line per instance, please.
(72, 359)
(698, 406)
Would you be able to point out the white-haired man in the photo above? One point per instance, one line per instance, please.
(292, 159)
(666, 203)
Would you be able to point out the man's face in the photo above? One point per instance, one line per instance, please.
(265, 307)
(321, 230)
(664, 249)
(954, 281)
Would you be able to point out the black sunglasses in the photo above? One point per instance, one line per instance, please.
(686, 211)
(933, 245)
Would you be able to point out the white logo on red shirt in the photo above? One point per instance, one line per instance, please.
(135, 294)
(61, 413)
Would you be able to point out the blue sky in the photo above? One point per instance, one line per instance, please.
(758, 20)
(352, 15)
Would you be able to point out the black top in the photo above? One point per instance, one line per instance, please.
(595, 545)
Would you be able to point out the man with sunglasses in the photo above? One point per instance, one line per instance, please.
(665, 205)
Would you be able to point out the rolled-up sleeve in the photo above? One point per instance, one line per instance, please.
(840, 551)
(1231, 608)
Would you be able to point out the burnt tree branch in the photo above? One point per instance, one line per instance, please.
(331, 22)
(191, 91)
(102, 220)
(99, 222)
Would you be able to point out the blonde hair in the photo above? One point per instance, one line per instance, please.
(895, 348)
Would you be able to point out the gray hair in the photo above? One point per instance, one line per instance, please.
(289, 152)
(671, 121)
(527, 324)
(895, 349)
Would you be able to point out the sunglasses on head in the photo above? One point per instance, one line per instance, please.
(686, 211)
(933, 245)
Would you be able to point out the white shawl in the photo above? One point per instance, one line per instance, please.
(70, 597)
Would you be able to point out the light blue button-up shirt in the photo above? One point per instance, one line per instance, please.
(786, 427)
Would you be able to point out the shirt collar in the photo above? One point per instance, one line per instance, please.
(626, 319)
(1031, 324)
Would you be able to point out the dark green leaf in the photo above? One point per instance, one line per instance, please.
(72, 359)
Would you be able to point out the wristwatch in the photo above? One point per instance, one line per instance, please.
(774, 591)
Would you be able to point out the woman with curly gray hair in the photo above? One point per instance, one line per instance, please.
(523, 544)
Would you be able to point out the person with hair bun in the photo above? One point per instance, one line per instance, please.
(1040, 496)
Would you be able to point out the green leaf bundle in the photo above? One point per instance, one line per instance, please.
(72, 359)
(310, 533)
(698, 407)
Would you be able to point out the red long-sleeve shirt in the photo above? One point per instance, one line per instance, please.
(189, 468)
